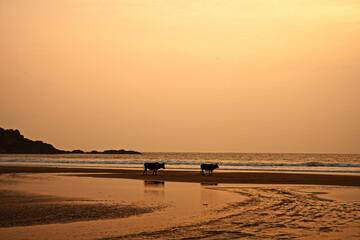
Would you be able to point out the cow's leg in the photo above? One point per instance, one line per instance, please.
(145, 171)
(202, 172)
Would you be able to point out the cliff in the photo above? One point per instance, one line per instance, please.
(11, 141)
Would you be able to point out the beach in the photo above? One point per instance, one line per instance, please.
(262, 93)
(89, 203)
(195, 176)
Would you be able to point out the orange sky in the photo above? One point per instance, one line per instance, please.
(239, 76)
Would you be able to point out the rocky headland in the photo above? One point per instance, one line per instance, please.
(11, 141)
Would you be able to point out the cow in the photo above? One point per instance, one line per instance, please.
(153, 166)
(208, 167)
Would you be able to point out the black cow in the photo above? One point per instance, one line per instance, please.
(208, 167)
(153, 166)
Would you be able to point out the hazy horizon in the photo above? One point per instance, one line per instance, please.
(183, 76)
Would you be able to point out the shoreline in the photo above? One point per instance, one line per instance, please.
(82, 203)
(196, 177)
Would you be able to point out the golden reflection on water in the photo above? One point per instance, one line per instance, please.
(156, 188)
(194, 210)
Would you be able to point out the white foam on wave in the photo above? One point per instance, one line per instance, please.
(191, 164)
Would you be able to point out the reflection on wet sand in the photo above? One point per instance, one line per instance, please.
(191, 210)
(273, 212)
(208, 184)
(179, 204)
(148, 183)
(154, 188)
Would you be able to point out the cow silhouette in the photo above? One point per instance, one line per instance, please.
(208, 167)
(153, 166)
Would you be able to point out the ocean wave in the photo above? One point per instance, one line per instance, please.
(180, 162)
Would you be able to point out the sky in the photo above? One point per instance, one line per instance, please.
(189, 75)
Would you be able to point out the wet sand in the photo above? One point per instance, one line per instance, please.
(195, 176)
(24, 209)
(273, 213)
(153, 206)
(62, 203)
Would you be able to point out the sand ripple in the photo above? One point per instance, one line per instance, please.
(272, 213)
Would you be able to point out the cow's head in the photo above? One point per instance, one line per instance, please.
(216, 166)
(162, 165)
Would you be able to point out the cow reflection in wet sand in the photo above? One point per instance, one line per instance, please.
(154, 188)
(154, 183)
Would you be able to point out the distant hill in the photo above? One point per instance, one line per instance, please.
(11, 141)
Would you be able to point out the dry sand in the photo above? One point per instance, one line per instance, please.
(102, 204)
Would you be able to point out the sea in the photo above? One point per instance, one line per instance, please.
(265, 162)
